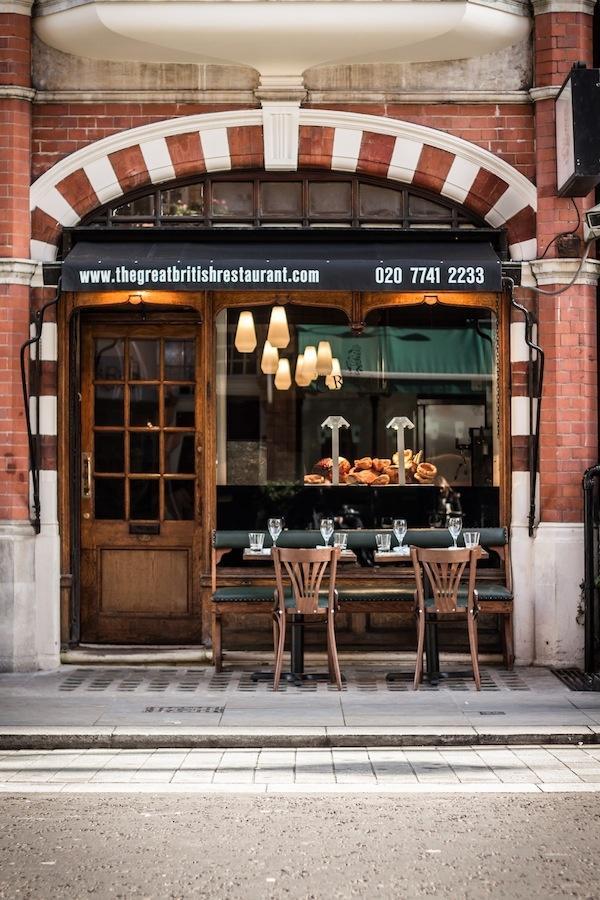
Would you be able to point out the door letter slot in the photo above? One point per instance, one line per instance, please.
(151, 528)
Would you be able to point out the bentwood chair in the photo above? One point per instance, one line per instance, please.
(443, 570)
(299, 575)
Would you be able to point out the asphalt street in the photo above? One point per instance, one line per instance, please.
(305, 847)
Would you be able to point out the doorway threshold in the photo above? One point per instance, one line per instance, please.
(134, 655)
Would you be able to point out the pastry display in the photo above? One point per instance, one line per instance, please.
(324, 468)
(375, 470)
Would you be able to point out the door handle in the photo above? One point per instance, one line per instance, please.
(86, 476)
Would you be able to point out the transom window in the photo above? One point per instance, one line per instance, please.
(291, 201)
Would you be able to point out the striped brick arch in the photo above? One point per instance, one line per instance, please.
(326, 140)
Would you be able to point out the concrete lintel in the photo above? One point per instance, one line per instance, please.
(18, 271)
(542, 7)
(540, 272)
(549, 92)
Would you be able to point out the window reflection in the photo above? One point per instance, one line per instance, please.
(434, 365)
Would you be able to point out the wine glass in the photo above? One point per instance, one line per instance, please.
(326, 530)
(399, 527)
(454, 525)
(275, 527)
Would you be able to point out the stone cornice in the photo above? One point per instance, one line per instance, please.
(541, 7)
(249, 98)
(16, 7)
(245, 97)
(540, 272)
(549, 92)
(14, 92)
(18, 271)
(409, 97)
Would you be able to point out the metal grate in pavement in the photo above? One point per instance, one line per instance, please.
(361, 679)
(576, 680)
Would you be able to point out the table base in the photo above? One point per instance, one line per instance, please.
(293, 678)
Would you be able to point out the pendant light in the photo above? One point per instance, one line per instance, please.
(245, 335)
(309, 366)
(334, 381)
(270, 359)
(283, 376)
(324, 358)
(299, 376)
(279, 333)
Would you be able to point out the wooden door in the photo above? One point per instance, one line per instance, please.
(142, 415)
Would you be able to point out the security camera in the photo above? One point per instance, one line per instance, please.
(592, 223)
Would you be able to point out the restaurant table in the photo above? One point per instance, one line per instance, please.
(432, 652)
(296, 674)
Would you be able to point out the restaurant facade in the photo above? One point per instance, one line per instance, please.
(222, 229)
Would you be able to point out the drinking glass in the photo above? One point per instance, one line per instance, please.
(400, 528)
(257, 539)
(275, 527)
(383, 542)
(326, 530)
(454, 525)
(471, 538)
(340, 539)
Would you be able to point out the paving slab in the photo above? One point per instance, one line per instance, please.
(140, 707)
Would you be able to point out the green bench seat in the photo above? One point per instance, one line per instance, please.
(364, 596)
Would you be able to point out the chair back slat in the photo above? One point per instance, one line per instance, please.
(444, 570)
(305, 571)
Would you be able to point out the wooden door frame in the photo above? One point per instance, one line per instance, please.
(204, 306)
(110, 308)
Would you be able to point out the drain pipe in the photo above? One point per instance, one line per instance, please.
(535, 388)
(33, 441)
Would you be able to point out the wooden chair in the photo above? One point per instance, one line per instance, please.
(443, 569)
(305, 570)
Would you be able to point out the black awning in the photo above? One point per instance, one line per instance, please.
(282, 265)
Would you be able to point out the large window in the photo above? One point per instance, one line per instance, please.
(284, 201)
(435, 365)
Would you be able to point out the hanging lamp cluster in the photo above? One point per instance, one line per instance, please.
(313, 362)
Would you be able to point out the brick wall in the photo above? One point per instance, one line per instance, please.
(567, 322)
(505, 130)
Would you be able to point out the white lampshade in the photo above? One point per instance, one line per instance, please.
(324, 358)
(283, 376)
(279, 333)
(334, 381)
(270, 359)
(309, 366)
(245, 334)
(299, 378)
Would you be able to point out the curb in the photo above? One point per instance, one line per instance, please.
(246, 738)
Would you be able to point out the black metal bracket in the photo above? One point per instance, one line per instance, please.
(535, 389)
(33, 441)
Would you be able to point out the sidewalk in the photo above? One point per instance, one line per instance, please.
(140, 707)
